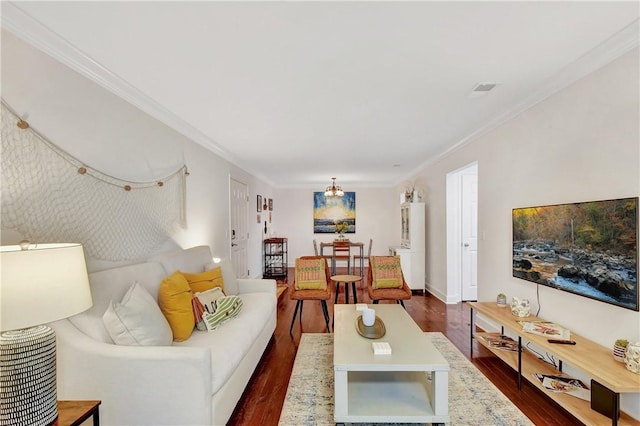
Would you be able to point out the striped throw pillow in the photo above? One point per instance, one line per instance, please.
(226, 307)
(310, 274)
(386, 272)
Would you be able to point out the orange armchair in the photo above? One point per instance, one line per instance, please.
(311, 282)
(386, 280)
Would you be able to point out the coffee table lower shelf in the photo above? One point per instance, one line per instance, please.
(388, 397)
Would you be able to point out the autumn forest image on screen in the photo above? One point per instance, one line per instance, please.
(585, 248)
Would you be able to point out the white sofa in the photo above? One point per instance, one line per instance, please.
(195, 382)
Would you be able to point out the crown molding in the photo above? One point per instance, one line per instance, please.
(606, 52)
(24, 26)
(33, 32)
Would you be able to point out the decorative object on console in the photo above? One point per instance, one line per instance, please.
(40, 284)
(520, 307)
(501, 300)
(619, 348)
(632, 357)
(588, 248)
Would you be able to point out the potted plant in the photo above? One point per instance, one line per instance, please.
(501, 300)
(619, 348)
(341, 228)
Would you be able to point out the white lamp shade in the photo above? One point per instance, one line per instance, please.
(45, 283)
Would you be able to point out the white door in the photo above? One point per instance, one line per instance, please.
(469, 255)
(239, 204)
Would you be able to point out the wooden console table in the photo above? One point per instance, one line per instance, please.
(74, 413)
(593, 359)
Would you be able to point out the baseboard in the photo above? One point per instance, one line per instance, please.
(439, 295)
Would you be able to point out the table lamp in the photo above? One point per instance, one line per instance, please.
(39, 284)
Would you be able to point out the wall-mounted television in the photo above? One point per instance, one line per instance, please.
(589, 248)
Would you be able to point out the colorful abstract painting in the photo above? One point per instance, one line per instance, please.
(334, 214)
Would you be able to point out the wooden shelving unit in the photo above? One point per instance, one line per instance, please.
(593, 359)
(275, 258)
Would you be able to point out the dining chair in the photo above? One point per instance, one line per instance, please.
(318, 252)
(386, 280)
(311, 282)
(358, 259)
(341, 252)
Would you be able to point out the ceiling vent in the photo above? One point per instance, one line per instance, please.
(484, 87)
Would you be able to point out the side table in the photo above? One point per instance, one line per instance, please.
(346, 279)
(74, 413)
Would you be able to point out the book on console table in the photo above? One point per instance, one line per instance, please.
(499, 341)
(547, 329)
(564, 384)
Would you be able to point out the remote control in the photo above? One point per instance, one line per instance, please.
(561, 342)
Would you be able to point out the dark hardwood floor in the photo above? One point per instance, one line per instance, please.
(262, 400)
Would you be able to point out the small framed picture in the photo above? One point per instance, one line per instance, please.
(259, 206)
(270, 204)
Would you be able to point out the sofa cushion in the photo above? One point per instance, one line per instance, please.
(386, 272)
(226, 308)
(228, 275)
(113, 284)
(236, 336)
(205, 280)
(174, 299)
(209, 298)
(310, 274)
(191, 260)
(137, 320)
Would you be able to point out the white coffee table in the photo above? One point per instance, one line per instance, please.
(387, 388)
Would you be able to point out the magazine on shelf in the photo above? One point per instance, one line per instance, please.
(499, 341)
(547, 329)
(564, 384)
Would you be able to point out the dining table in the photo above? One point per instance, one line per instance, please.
(358, 245)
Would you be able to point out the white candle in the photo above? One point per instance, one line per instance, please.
(368, 317)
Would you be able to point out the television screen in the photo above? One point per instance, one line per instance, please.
(589, 248)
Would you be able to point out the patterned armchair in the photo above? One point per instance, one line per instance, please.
(386, 280)
(311, 282)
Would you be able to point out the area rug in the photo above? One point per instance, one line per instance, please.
(473, 399)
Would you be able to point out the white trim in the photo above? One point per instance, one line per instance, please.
(439, 295)
(33, 32)
(609, 50)
(453, 236)
(21, 24)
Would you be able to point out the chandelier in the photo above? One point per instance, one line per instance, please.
(333, 190)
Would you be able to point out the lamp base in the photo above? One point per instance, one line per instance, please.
(28, 377)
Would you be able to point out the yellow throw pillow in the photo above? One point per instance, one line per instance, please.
(386, 272)
(174, 299)
(310, 274)
(205, 280)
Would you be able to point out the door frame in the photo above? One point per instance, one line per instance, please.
(245, 225)
(454, 232)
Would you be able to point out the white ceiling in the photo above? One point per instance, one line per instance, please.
(298, 92)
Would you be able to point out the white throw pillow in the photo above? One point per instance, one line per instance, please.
(137, 320)
(209, 298)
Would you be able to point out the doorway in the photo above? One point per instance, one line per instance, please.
(238, 204)
(462, 234)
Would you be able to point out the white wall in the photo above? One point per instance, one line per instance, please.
(582, 144)
(116, 138)
(377, 217)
